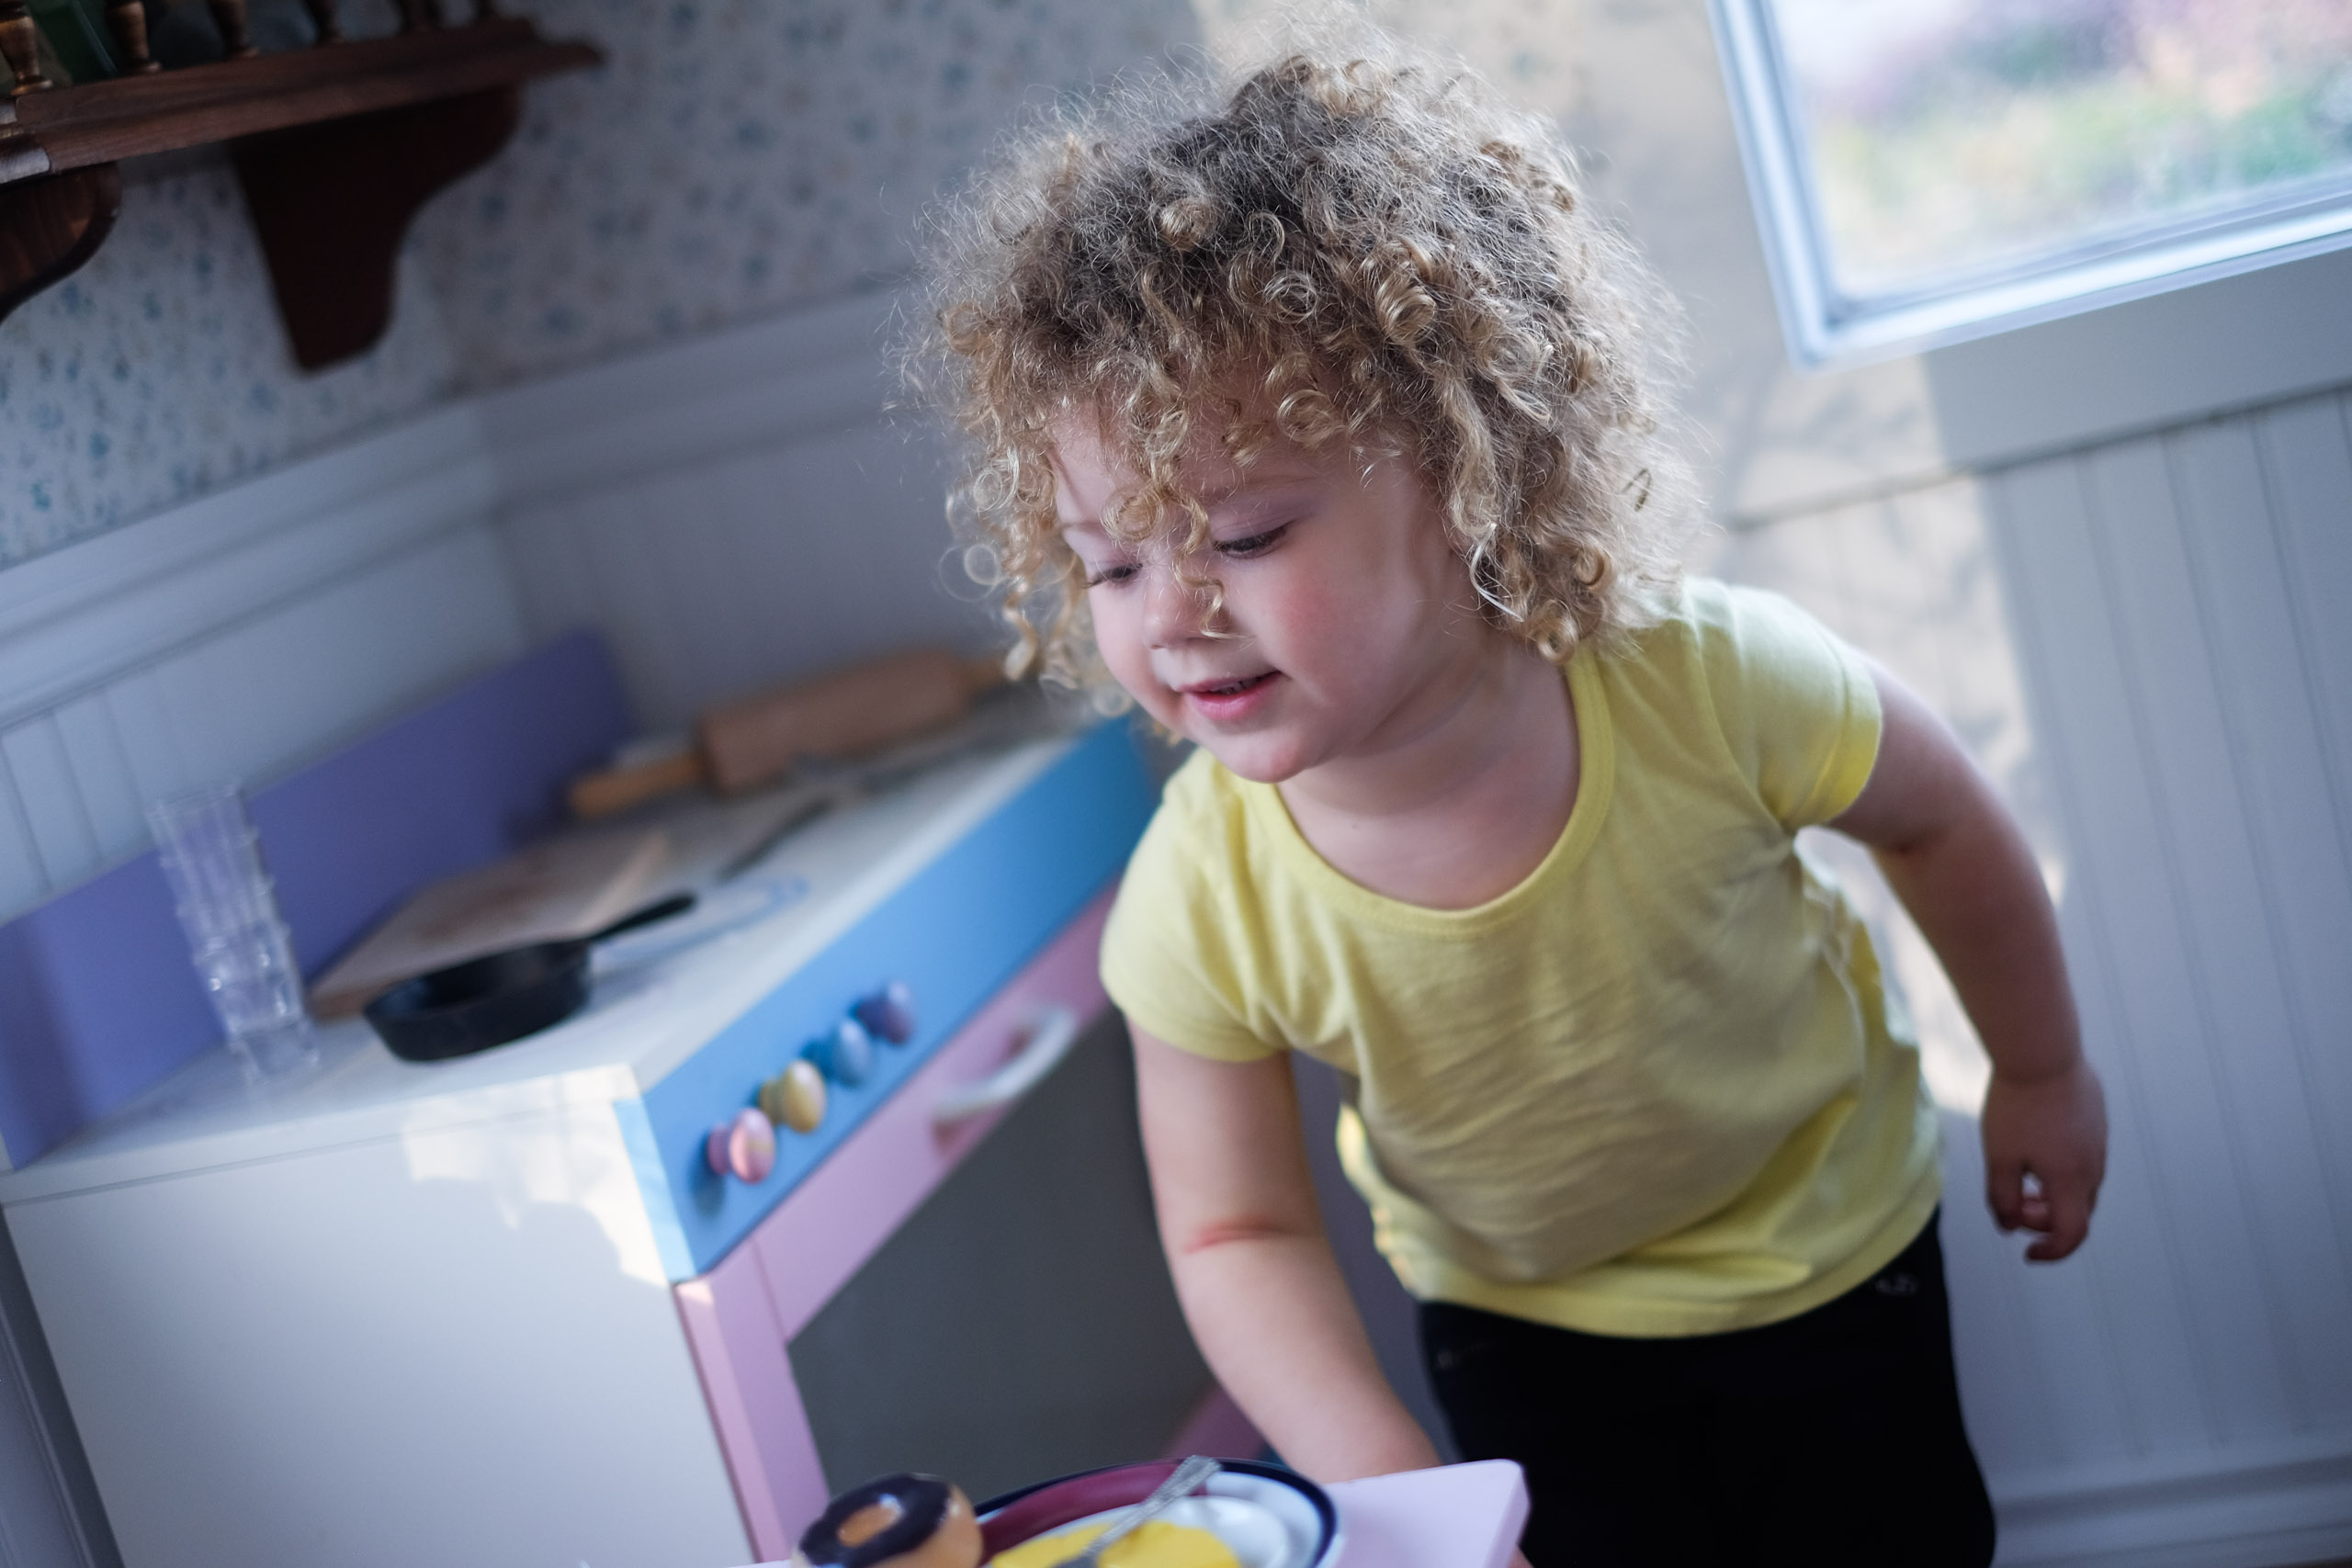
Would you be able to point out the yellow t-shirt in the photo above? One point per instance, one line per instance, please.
(1653, 1090)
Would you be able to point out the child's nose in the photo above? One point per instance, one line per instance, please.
(1175, 609)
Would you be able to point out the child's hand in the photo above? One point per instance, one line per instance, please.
(2051, 1132)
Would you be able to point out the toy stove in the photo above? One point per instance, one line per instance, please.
(553, 1304)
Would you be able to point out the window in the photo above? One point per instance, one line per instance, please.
(1932, 170)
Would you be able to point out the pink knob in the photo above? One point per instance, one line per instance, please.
(743, 1148)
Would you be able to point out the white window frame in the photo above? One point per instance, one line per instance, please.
(1826, 327)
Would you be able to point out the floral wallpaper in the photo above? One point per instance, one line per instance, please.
(734, 159)
(159, 370)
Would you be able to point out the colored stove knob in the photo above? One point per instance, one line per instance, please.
(888, 1014)
(743, 1148)
(795, 1098)
(846, 1056)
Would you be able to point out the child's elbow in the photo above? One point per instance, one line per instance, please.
(1235, 1230)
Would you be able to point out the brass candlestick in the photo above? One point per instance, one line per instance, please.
(229, 15)
(20, 45)
(127, 20)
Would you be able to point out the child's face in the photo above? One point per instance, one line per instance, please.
(1348, 627)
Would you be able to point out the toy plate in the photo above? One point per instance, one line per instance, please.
(1268, 1516)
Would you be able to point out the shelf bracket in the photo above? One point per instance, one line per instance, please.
(50, 225)
(331, 203)
(337, 145)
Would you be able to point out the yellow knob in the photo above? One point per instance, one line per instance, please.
(795, 1098)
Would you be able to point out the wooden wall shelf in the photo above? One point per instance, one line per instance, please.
(336, 146)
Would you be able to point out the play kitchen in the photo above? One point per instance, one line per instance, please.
(646, 1283)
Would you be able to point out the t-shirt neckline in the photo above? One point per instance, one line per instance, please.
(1596, 780)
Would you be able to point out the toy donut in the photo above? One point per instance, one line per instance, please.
(898, 1521)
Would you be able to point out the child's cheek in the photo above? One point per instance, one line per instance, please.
(1307, 620)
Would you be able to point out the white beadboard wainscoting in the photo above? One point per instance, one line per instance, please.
(235, 635)
(2145, 641)
(2180, 605)
(735, 510)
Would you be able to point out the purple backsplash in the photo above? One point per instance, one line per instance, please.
(97, 997)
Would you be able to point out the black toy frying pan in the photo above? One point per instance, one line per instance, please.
(488, 1001)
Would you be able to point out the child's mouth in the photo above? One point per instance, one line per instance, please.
(1231, 688)
(1228, 702)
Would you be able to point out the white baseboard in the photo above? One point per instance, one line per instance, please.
(2290, 1506)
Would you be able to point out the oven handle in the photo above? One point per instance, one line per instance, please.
(1052, 1031)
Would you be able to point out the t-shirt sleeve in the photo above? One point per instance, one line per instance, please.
(1796, 704)
(1176, 954)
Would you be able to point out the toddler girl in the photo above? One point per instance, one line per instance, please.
(1316, 419)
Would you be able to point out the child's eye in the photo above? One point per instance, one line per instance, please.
(1253, 544)
(1101, 575)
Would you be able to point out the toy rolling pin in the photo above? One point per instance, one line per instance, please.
(847, 713)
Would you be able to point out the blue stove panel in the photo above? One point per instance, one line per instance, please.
(955, 932)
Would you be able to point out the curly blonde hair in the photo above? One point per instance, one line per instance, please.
(1375, 251)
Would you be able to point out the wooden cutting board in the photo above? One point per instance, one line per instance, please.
(567, 887)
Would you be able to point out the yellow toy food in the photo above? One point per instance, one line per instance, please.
(1156, 1544)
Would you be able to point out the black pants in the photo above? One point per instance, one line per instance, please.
(1830, 1439)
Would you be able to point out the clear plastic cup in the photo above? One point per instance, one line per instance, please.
(228, 907)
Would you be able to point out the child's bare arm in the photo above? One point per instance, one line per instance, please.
(1258, 1284)
(1961, 867)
